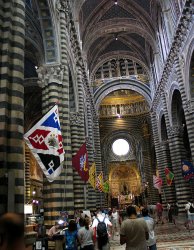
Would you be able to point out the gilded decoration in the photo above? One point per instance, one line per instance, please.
(124, 181)
(35, 170)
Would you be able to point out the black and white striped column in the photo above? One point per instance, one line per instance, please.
(12, 20)
(78, 138)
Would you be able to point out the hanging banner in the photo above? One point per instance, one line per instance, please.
(45, 141)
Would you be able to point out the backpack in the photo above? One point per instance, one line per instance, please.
(191, 209)
(101, 228)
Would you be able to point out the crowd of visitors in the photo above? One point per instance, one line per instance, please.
(135, 224)
(88, 231)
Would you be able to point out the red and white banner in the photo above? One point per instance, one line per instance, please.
(157, 182)
(45, 141)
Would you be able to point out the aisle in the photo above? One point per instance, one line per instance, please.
(169, 237)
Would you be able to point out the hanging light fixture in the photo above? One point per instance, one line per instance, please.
(116, 37)
(116, 2)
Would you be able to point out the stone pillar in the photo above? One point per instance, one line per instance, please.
(188, 105)
(78, 138)
(99, 168)
(90, 146)
(160, 154)
(118, 71)
(58, 195)
(109, 69)
(169, 194)
(147, 163)
(102, 73)
(177, 154)
(135, 68)
(12, 106)
(189, 115)
(126, 67)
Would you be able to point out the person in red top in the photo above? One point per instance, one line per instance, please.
(159, 211)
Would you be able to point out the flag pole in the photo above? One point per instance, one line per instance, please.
(164, 195)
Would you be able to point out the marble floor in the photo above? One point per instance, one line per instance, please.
(169, 237)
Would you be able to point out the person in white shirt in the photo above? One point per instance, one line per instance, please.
(151, 242)
(189, 208)
(101, 218)
(115, 222)
(53, 230)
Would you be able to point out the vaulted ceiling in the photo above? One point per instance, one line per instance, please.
(111, 28)
(118, 35)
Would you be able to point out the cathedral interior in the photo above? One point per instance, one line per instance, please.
(122, 74)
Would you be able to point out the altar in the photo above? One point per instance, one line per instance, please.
(125, 200)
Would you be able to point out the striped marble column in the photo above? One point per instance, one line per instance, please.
(169, 194)
(160, 155)
(12, 106)
(91, 191)
(56, 194)
(147, 164)
(168, 191)
(100, 197)
(187, 105)
(78, 138)
(177, 154)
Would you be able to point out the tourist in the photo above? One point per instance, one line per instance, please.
(189, 208)
(115, 222)
(70, 237)
(134, 231)
(85, 236)
(151, 242)
(102, 241)
(169, 212)
(159, 211)
(12, 232)
(176, 209)
(54, 230)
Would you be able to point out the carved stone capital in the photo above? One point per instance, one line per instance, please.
(63, 10)
(164, 144)
(89, 141)
(153, 114)
(76, 118)
(95, 119)
(62, 5)
(175, 131)
(51, 73)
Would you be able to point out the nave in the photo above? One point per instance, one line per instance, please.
(169, 237)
